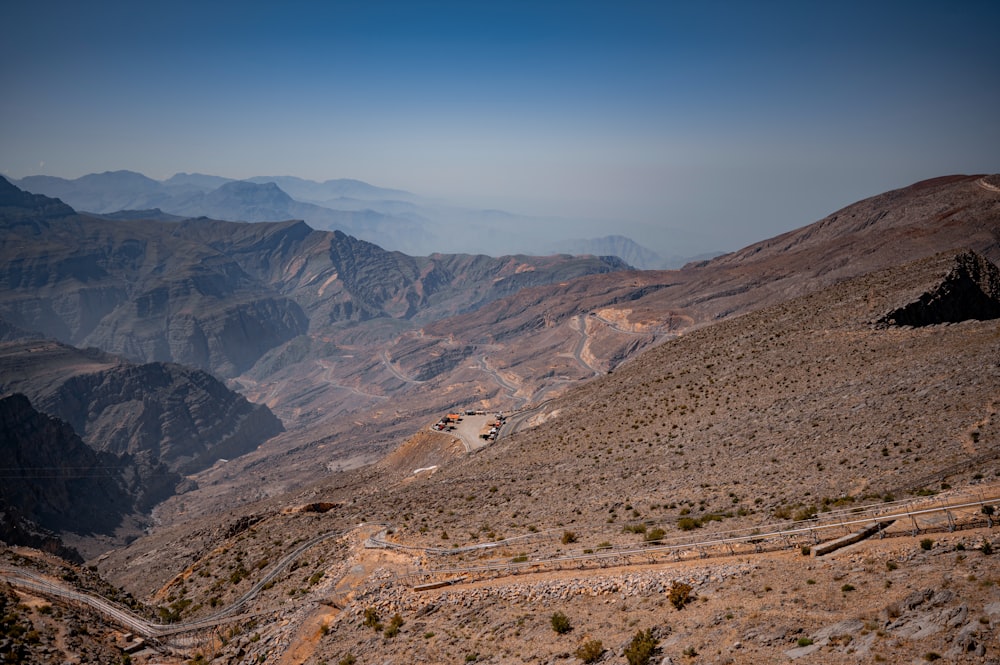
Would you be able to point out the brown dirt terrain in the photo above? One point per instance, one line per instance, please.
(792, 410)
(796, 407)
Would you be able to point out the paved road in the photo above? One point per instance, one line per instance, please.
(987, 186)
(396, 373)
(502, 382)
(580, 327)
(26, 579)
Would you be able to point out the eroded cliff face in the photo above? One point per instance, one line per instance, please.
(50, 470)
(970, 290)
(158, 413)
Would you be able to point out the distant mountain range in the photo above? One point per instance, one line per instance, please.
(354, 346)
(217, 295)
(214, 295)
(391, 218)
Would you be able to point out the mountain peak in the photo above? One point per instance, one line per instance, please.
(254, 192)
(16, 203)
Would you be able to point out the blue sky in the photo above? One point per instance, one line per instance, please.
(690, 125)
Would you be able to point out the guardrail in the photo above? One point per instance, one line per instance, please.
(909, 517)
(149, 629)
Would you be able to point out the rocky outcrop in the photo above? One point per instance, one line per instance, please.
(969, 291)
(16, 530)
(158, 413)
(54, 479)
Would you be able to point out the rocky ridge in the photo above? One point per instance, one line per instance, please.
(48, 469)
(159, 414)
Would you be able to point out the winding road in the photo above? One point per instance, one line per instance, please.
(28, 580)
(962, 510)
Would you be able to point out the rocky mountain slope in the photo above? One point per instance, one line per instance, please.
(48, 471)
(218, 295)
(774, 384)
(355, 391)
(158, 413)
(785, 412)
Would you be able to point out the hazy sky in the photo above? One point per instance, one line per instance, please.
(722, 122)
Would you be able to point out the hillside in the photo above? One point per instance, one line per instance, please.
(219, 295)
(782, 413)
(157, 413)
(47, 471)
(774, 384)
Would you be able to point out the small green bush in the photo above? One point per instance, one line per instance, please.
(590, 651)
(394, 625)
(654, 535)
(926, 543)
(372, 619)
(680, 594)
(560, 623)
(804, 641)
(641, 648)
(688, 524)
(805, 513)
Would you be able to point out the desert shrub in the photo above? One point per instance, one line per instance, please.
(634, 528)
(804, 641)
(986, 548)
(641, 648)
(688, 524)
(680, 594)
(560, 623)
(568, 537)
(349, 659)
(806, 550)
(394, 625)
(926, 543)
(654, 535)
(806, 513)
(590, 651)
(239, 574)
(372, 619)
(847, 587)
